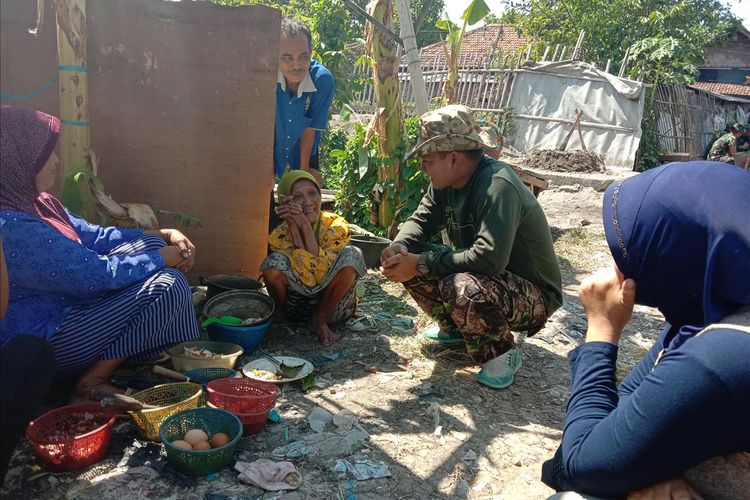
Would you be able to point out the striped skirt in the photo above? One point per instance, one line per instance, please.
(136, 322)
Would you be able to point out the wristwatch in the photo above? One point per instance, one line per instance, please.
(422, 267)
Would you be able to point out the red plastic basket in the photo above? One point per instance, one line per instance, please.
(242, 395)
(65, 441)
(252, 423)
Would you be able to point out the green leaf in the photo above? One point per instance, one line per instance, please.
(308, 382)
(364, 161)
(446, 25)
(346, 113)
(475, 12)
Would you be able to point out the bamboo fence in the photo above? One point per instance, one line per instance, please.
(687, 119)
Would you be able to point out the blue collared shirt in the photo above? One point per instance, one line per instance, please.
(294, 113)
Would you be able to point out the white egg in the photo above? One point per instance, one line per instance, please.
(195, 436)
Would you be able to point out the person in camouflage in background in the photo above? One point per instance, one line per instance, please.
(725, 146)
(500, 272)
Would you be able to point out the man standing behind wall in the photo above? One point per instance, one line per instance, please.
(500, 273)
(304, 93)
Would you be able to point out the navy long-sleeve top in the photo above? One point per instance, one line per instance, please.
(662, 420)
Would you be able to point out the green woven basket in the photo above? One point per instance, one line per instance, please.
(211, 421)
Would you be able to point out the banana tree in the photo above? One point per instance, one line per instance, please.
(388, 121)
(75, 149)
(475, 12)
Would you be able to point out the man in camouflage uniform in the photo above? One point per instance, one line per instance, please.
(500, 273)
(725, 146)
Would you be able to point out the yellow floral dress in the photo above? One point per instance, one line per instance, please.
(310, 269)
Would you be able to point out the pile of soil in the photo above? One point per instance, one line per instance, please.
(564, 161)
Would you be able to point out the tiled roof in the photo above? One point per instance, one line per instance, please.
(476, 47)
(734, 89)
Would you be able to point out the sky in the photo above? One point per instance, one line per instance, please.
(740, 8)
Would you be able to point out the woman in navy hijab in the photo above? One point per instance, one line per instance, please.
(680, 238)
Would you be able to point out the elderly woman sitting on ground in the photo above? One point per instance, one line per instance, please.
(97, 294)
(312, 272)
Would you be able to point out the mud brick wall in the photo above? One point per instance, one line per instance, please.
(181, 109)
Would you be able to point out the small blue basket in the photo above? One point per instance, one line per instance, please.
(203, 376)
(246, 336)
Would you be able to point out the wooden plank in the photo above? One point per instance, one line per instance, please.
(182, 101)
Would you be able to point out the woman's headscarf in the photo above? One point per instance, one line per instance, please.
(288, 180)
(292, 176)
(27, 139)
(682, 232)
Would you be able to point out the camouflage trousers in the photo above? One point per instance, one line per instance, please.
(485, 309)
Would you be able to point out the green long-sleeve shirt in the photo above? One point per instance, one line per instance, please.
(494, 224)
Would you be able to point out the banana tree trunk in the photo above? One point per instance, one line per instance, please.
(74, 110)
(388, 120)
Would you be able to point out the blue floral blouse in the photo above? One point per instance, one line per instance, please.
(50, 273)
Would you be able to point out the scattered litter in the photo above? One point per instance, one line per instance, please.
(269, 475)
(361, 323)
(325, 444)
(397, 324)
(294, 449)
(351, 490)
(470, 456)
(480, 486)
(319, 418)
(362, 470)
(434, 408)
(274, 416)
(345, 420)
(325, 357)
(403, 325)
(428, 390)
(333, 356)
(140, 454)
(438, 431)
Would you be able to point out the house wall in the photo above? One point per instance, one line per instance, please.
(182, 98)
(735, 55)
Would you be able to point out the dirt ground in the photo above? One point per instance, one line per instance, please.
(440, 434)
(564, 161)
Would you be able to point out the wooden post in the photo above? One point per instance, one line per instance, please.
(579, 43)
(624, 63)
(74, 109)
(412, 56)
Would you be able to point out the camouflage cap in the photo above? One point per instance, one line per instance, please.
(450, 128)
(738, 127)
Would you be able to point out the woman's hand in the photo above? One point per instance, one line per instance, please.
(297, 239)
(291, 212)
(608, 299)
(171, 256)
(181, 242)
